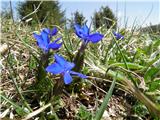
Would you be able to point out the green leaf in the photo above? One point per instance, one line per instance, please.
(154, 85)
(157, 43)
(20, 112)
(83, 114)
(100, 112)
(130, 65)
(19, 109)
(152, 71)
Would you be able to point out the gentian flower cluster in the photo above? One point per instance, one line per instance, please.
(118, 35)
(44, 39)
(63, 67)
(83, 32)
(85, 35)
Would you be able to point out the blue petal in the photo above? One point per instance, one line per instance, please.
(38, 38)
(39, 41)
(57, 39)
(54, 68)
(60, 60)
(67, 78)
(96, 37)
(77, 27)
(78, 74)
(115, 34)
(54, 46)
(118, 36)
(47, 30)
(85, 30)
(69, 66)
(54, 31)
(79, 32)
(45, 37)
(122, 37)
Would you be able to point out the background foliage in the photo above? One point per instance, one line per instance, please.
(48, 13)
(104, 17)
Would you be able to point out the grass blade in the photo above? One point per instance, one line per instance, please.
(105, 101)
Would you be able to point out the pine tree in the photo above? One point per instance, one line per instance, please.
(79, 18)
(102, 18)
(48, 13)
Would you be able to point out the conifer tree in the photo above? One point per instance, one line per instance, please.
(102, 18)
(79, 18)
(49, 12)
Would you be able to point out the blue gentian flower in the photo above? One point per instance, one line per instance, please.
(51, 32)
(118, 35)
(44, 40)
(84, 33)
(63, 67)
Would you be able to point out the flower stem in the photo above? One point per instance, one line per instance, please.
(79, 59)
(58, 87)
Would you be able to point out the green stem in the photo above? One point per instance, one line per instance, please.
(79, 59)
(124, 60)
(58, 87)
